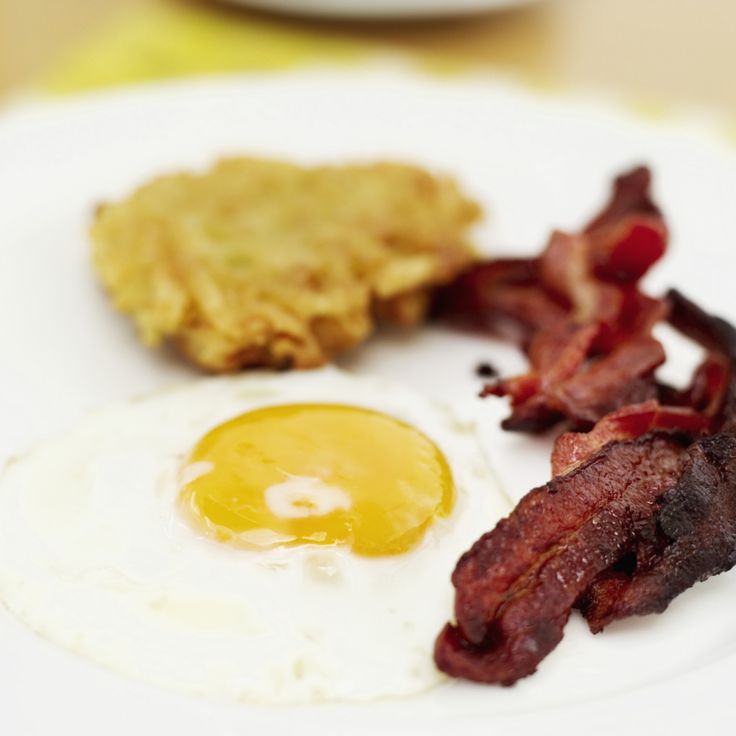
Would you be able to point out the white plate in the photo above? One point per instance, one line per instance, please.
(367, 9)
(535, 163)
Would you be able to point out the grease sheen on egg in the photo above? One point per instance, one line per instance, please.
(96, 555)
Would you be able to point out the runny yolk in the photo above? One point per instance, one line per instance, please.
(317, 474)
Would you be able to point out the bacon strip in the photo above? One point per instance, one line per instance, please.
(630, 196)
(572, 448)
(629, 235)
(501, 297)
(693, 534)
(641, 508)
(707, 392)
(577, 312)
(696, 520)
(516, 586)
(719, 337)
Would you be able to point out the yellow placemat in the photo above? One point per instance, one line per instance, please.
(154, 41)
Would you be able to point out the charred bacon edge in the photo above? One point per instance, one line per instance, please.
(697, 517)
(526, 575)
(694, 510)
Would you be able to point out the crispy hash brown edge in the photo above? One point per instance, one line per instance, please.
(328, 252)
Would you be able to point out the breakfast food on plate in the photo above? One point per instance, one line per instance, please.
(518, 584)
(625, 526)
(269, 538)
(692, 536)
(264, 263)
(238, 537)
(643, 505)
(577, 312)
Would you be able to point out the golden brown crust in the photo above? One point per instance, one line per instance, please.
(262, 263)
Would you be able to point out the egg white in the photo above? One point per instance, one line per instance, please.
(96, 557)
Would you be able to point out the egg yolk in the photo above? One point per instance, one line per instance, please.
(317, 474)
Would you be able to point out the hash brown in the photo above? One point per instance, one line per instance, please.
(263, 263)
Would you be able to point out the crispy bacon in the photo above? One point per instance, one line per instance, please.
(577, 312)
(717, 336)
(630, 234)
(501, 297)
(707, 392)
(630, 197)
(572, 448)
(640, 508)
(624, 252)
(696, 524)
(516, 587)
(623, 376)
(693, 534)
(570, 387)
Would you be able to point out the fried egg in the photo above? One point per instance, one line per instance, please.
(275, 539)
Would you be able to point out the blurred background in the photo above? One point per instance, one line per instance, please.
(652, 53)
